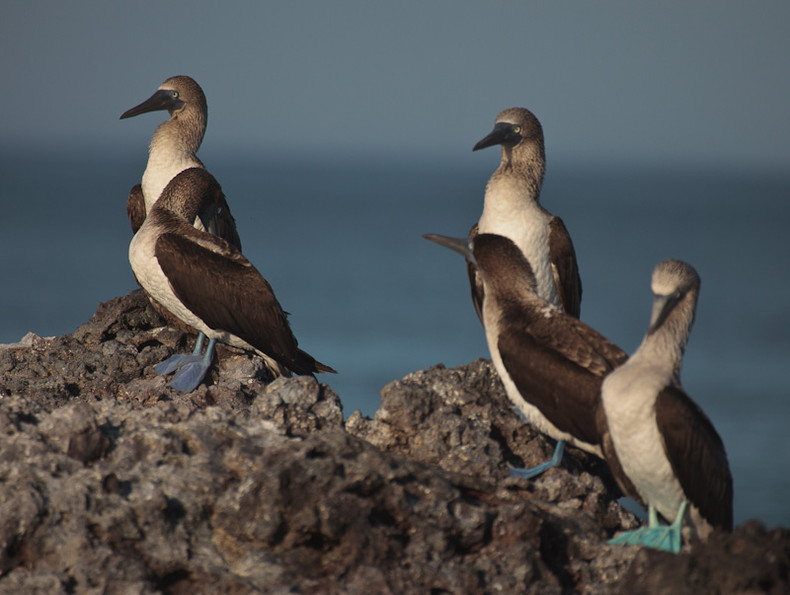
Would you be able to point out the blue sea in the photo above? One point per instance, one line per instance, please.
(339, 239)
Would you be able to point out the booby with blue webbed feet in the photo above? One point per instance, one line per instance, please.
(173, 149)
(660, 440)
(209, 285)
(551, 364)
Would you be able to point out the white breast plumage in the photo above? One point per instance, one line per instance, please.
(507, 212)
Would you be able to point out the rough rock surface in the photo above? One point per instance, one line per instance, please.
(110, 482)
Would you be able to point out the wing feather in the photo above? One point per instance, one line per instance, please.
(558, 364)
(215, 215)
(227, 293)
(135, 207)
(475, 282)
(697, 455)
(577, 341)
(565, 267)
(564, 392)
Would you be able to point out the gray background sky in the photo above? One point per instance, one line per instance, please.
(670, 81)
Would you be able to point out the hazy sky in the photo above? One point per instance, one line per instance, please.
(668, 81)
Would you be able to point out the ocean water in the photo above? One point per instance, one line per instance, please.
(339, 239)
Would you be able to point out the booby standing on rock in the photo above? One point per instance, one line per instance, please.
(661, 440)
(209, 285)
(550, 363)
(173, 149)
(512, 209)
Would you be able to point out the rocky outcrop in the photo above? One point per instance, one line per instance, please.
(110, 482)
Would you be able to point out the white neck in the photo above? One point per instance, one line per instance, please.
(511, 210)
(172, 150)
(629, 395)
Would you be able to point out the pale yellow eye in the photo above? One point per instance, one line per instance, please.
(174, 94)
(517, 129)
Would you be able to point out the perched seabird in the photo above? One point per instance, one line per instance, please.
(551, 363)
(173, 149)
(665, 446)
(512, 209)
(209, 285)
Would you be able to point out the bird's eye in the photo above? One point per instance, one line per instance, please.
(174, 94)
(517, 129)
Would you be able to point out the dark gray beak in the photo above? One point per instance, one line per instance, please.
(161, 100)
(502, 134)
(662, 306)
(460, 245)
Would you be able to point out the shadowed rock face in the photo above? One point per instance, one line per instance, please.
(111, 482)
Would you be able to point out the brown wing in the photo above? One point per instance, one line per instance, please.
(697, 456)
(577, 341)
(214, 212)
(135, 207)
(565, 268)
(558, 364)
(475, 282)
(216, 218)
(229, 294)
(565, 392)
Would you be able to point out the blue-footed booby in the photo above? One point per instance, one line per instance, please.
(512, 209)
(209, 285)
(173, 149)
(662, 442)
(550, 363)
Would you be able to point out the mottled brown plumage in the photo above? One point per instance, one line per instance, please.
(551, 363)
(207, 282)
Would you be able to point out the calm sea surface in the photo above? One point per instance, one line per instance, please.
(340, 242)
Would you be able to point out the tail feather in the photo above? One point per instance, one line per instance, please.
(307, 364)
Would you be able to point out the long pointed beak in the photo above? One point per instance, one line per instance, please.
(662, 306)
(460, 245)
(161, 100)
(502, 134)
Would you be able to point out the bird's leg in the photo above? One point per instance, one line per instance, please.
(538, 469)
(191, 373)
(201, 338)
(661, 537)
(175, 362)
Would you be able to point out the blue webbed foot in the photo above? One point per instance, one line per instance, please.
(190, 375)
(661, 537)
(190, 368)
(174, 362)
(538, 469)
